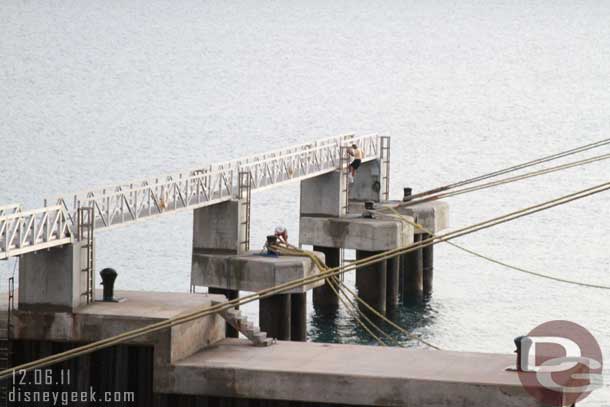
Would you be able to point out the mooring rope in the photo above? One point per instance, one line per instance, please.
(348, 306)
(491, 259)
(513, 168)
(342, 287)
(209, 310)
(504, 181)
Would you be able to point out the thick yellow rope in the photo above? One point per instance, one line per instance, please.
(355, 314)
(340, 288)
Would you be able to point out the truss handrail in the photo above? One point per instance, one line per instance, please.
(26, 231)
(126, 203)
(10, 209)
(221, 166)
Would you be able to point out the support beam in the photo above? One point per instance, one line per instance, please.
(324, 296)
(230, 332)
(298, 317)
(275, 316)
(371, 282)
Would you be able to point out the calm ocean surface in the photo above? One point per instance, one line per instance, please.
(97, 92)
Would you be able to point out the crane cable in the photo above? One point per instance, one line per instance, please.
(513, 168)
(209, 310)
(508, 180)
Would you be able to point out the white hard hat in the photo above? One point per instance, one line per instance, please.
(280, 229)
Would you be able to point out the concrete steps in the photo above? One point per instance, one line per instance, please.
(240, 322)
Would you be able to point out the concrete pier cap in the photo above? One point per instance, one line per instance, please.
(252, 271)
(433, 215)
(355, 232)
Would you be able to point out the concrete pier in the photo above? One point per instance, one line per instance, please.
(298, 317)
(324, 298)
(252, 271)
(416, 268)
(52, 280)
(101, 320)
(355, 232)
(428, 266)
(392, 282)
(351, 375)
(371, 283)
(412, 270)
(274, 316)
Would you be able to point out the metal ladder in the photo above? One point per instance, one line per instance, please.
(244, 193)
(85, 226)
(5, 344)
(384, 153)
(344, 161)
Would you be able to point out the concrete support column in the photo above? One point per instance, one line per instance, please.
(412, 269)
(323, 195)
(371, 281)
(324, 296)
(219, 228)
(230, 332)
(298, 317)
(392, 281)
(367, 183)
(428, 266)
(52, 280)
(275, 315)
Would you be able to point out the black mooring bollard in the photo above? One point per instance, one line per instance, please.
(407, 194)
(523, 344)
(108, 276)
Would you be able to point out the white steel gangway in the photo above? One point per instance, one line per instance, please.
(123, 204)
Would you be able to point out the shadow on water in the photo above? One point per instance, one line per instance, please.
(338, 325)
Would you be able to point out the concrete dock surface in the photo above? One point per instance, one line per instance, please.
(351, 374)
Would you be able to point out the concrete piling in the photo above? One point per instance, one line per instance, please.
(412, 269)
(324, 296)
(275, 316)
(372, 282)
(428, 266)
(392, 282)
(298, 317)
(230, 332)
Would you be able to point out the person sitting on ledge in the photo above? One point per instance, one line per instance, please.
(282, 234)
